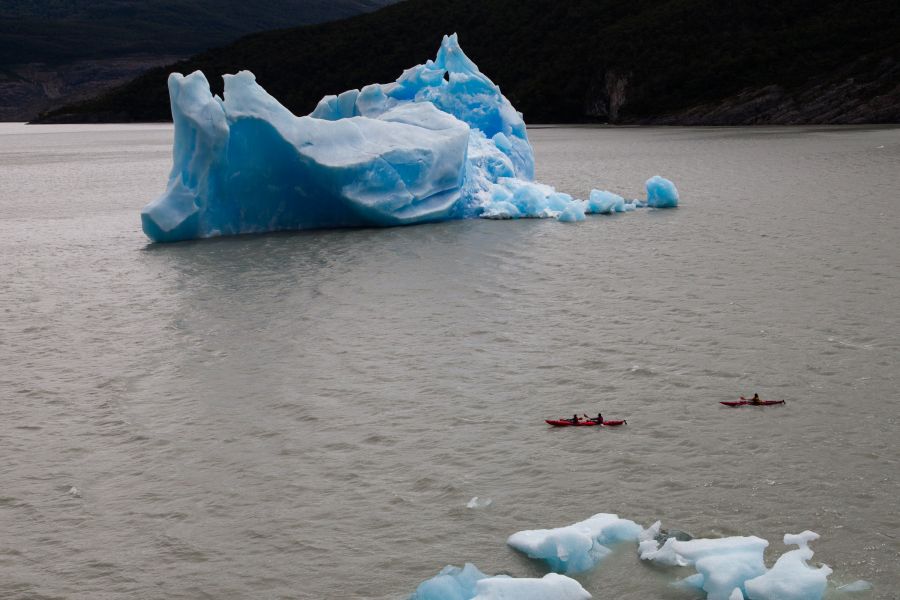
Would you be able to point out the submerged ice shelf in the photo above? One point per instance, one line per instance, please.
(439, 143)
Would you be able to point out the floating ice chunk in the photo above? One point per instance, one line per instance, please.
(550, 587)
(452, 583)
(791, 578)
(576, 548)
(860, 585)
(723, 564)
(661, 193)
(574, 211)
(468, 583)
(604, 203)
(477, 502)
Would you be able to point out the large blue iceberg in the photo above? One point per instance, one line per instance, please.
(439, 143)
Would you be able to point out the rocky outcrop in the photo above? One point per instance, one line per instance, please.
(607, 95)
(838, 100)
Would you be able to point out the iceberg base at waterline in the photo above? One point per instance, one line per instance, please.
(440, 143)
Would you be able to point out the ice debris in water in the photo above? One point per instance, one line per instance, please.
(477, 502)
(732, 568)
(439, 143)
(468, 583)
(579, 547)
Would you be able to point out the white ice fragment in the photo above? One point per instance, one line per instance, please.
(578, 547)
(477, 502)
(468, 583)
(74, 492)
(791, 578)
(550, 587)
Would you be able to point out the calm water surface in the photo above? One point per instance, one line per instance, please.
(307, 415)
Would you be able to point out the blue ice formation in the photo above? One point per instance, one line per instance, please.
(661, 193)
(439, 143)
(468, 583)
(732, 568)
(578, 547)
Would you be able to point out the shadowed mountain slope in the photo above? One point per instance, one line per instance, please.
(635, 61)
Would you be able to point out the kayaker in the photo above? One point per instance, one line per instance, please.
(755, 399)
(575, 419)
(599, 419)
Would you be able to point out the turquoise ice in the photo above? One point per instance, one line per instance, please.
(441, 142)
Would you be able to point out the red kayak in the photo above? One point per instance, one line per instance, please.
(744, 402)
(569, 423)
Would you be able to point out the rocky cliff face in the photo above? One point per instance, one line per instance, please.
(29, 89)
(842, 98)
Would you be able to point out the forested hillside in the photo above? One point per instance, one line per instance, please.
(626, 61)
(53, 50)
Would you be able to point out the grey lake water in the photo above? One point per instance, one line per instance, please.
(307, 415)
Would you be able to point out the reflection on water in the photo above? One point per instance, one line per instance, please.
(307, 415)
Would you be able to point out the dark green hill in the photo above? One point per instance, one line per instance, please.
(56, 31)
(676, 61)
(55, 52)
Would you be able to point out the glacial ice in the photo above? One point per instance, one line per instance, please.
(468, 583)
(661, 193)
(791, 578)
(732, 568)
(439, 143)
(578, 547)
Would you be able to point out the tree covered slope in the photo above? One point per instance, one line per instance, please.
(626, 61)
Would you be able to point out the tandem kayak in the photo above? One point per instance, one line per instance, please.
(569, 423)
(744, 402)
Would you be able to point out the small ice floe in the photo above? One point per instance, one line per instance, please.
(477, 502)
(74, 492)
(468, 583)
(578, 547)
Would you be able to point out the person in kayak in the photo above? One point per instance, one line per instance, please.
(755, 399)
(575, 420)
(598, 420)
